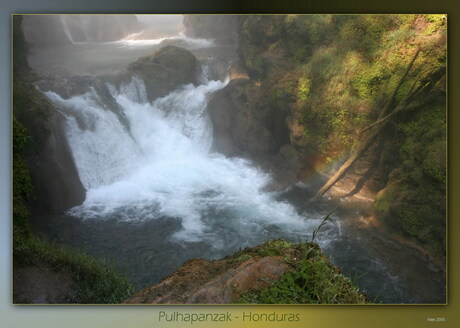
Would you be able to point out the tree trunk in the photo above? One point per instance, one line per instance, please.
(350, 161)
(377, 125)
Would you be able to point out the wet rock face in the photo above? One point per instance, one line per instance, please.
(57, 185)
(238, 127)
(243, 125)
(56, 177)
(165, 70)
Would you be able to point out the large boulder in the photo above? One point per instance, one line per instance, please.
(165, 70)
(240, 128)
(244, 124)
(57, 185)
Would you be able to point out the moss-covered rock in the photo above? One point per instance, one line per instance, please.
(310, 279)
(276, 272)
(165, 70)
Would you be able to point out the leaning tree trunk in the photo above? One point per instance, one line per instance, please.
(350, 161)
(375, 127)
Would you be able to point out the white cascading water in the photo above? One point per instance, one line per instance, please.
(66, 29)
(162, 166)
(131, 40)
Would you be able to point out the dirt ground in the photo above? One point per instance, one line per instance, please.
(40, 284)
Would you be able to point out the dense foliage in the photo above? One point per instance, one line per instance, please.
(334, 75)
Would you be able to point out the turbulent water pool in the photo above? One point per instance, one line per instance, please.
(158, 195)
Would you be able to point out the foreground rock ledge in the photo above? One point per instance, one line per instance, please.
(199, 281)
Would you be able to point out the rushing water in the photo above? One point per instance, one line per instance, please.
(157, 195)
(160, 165)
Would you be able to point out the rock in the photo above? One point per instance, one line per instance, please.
(252, 274)
(57, 185)
(212, 282)
(220, 281)
(238, 71)
(55, 174)
(239, 128)
(248, 272)
(165, 70)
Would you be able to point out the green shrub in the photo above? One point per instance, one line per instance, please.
(311, 280)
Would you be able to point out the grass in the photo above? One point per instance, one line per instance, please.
(97, 282)
(310, 279)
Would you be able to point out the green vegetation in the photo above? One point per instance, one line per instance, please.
(413, 203)
(322, 66)
(334, 74)
(22, 186)
(96, 282)
(310, 279)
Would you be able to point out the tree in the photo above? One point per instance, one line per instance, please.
(371, 131)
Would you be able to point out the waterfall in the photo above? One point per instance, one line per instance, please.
(157, 195)
(66, 29)
(161, 165)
